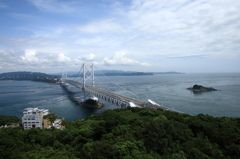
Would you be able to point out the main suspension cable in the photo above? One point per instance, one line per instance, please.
(102, 84)
(117, 84)
(78, 73)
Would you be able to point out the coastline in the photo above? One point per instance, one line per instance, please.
(31, 81)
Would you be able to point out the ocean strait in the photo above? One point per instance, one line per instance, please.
(168, 90)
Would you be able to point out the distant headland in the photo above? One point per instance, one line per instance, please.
(29, 76)
(47, 78)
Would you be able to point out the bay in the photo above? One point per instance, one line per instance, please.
(168, 90)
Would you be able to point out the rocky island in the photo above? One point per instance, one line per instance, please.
(92, 103)
(200, 88)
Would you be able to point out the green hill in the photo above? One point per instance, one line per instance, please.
(128, 134)
(33, 76)
(7, 120)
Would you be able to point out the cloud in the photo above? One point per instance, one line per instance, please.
(30, 56)
(182, 28)
(145, 64)
(35, 58)
(89, 41)
(0, 67)
(89, 57)
(63, 58)
(120, 59)
(100, 27)
(8, 56)
(53, 6)
(150, 30)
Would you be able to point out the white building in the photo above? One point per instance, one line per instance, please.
(33, 118)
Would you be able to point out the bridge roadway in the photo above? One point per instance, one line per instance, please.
(116, 99)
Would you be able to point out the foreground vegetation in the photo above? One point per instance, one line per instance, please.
(130, 133)
(8, 120)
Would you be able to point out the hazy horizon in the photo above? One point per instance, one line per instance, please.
(73, 72)
(130, 35)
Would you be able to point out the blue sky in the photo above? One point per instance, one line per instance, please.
(139, 35)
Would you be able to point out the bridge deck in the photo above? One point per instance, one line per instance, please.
(117, 96)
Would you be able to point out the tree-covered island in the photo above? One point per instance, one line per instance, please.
(200, 88)
(129, 133)
(31, 76)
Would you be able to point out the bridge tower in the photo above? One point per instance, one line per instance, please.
(64, 76)
(88, 74)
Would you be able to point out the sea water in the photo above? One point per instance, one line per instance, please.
(168, 90)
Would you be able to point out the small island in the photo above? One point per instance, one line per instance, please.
(200, 88)
(92, 103)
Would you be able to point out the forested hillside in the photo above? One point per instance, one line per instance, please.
(32, 76)
(131, 133)
(7, 120)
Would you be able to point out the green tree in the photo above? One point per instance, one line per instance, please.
(50, 117)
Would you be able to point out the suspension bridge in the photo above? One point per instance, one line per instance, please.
(87, 74)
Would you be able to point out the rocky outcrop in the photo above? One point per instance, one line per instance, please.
(200, 88)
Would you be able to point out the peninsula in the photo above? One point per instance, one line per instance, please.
(29, 76)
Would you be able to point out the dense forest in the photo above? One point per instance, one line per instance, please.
(129, 133)
(8, 120)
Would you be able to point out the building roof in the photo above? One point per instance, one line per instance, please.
(32, 111)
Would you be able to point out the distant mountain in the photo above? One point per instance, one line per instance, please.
(120, 73)
(170, 72)
(128, 74)
(21, 75)
(115, 73)
(96, 72)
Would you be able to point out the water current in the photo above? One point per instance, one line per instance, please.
(168, 90)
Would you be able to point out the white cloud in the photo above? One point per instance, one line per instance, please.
(0, 67)
(89, 57)
(100, 27)
(150, 30)
(63, 58)
(53, 6)
(145, 64)
(89, 41)
(35, 58)
(30, 56)
(120, 59)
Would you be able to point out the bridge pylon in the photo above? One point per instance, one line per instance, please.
(64, 76)
(88, 74)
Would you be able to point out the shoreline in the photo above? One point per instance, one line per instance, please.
(29, 80)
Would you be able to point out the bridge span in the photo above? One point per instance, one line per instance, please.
(116, 99)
